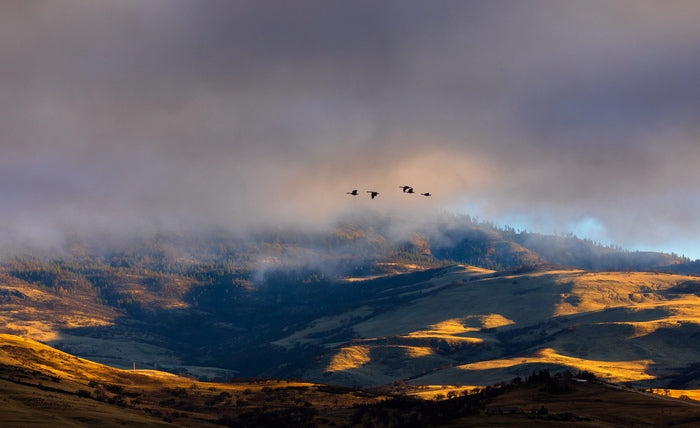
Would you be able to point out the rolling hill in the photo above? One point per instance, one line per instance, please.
(468, 327)
(358, 306)
(42, 386)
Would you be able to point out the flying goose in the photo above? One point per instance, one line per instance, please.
(354, 192)
(373, 193)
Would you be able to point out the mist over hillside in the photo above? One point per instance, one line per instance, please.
(280, 302)
(353, 243)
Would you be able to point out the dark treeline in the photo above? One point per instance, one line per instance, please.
(403, 411)
(354, 246)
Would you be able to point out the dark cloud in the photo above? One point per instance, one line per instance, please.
(126, 116)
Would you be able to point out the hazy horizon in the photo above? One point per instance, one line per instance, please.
(129, 117)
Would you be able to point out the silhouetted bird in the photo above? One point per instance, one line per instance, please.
(405, 188)
(373, 193)
(353, 193)
(425, 194)
(410, 190)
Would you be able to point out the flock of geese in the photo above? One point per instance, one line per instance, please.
(374, 194)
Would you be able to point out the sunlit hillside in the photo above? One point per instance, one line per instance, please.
(41, 385)
(39, 313)
(483, 329)
(357, 306)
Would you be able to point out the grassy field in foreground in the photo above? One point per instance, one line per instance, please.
(595, 405)
(41, 386)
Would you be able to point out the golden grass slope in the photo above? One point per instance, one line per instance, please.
(615, 371)
(32, 355)
(622, 326)
(349, 357)
(38, 398)
(31, 312)
(27, 406)
(464, 295)
(42, 386)
(517, 300)
(683, 394)
(604, 290)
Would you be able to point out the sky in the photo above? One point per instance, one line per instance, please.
(124, 117)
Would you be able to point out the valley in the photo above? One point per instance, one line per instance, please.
(358, 310)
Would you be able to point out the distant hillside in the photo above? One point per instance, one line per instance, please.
(465, 240)
(585, 254)
(357, 246)
(688, 268)
(482, 246)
